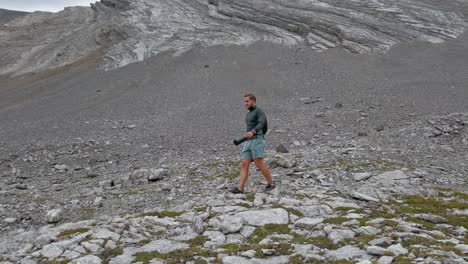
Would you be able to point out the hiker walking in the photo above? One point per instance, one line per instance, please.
(254, 147)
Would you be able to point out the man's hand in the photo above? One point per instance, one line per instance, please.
(249, 134)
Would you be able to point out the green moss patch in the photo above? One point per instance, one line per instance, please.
(320, 241)
(162, 214)
(269, 229)
(70, 232)
(110, 253)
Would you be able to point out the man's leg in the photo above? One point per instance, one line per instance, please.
(265, 171)
(244, 173)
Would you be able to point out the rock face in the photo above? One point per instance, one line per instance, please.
(8, 15)
(123, 32)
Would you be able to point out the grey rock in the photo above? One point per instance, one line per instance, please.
(61, 167)
(21, 186)
(9, 220)
(385, 260)
(248, 253)
(231, 224)
(71, 254)
(162, 246)
(242, 260)
(92, 247)
(54, 216)
(262, 217)
(397, 249)
(361, 176)
(148, 175)
(462, 247)
(104, 233)
(348, 252)
(51, 251)
(339, 234)
(307, 223)
(281, 149)
(246, 231)
(364, 197)
(435, 219)
(90, 259)
(381, 241)
(376, 250)
(157, 174)
(122, 259)
(315, 210)
(215, 238)
(391, 176)
(280, 161)
(197, 226)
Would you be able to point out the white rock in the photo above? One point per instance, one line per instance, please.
(391, 176)
(51, 251)
(214, 237)
(339, 234)
(157, 174)
(122, 259)
(241, 260)
(54, 216)
(381, 241)
(234, 239)
(362, 196)
(90, 259)
(367, 230)
(385, 260)
(166, 221)
(397, 249)
(246, 231)
(9, 220)
(231, 224)
(361, 176)
(435, 219)
(248, 253)
(348, 252)
(376, 250)
(91, 246)
(462, 247)
(260, 218)
(315, 210)
(104, 233)
(162, 246)
(71, 254)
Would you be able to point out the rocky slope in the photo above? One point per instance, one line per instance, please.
(343, 202)
(8, 15)
(122, 32)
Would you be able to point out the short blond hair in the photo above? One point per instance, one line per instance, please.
(251, 96)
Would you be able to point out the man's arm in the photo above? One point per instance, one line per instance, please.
(261, 121)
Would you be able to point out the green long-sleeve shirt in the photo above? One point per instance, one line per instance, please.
(255, 119)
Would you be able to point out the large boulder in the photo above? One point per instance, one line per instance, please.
(54, 216)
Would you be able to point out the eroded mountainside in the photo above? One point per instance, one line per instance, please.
(123, 32)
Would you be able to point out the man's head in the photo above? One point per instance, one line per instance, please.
(249, 100)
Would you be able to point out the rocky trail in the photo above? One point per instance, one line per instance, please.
(342, 203)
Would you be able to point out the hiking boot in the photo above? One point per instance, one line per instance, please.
(269, 187)
(235, 190)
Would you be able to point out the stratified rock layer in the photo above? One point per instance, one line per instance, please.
(123, 32)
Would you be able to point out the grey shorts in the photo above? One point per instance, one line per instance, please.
(253, 148)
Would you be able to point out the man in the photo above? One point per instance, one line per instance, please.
(254, 147)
